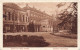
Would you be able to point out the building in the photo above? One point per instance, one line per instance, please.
(45, 26)
(16, 19)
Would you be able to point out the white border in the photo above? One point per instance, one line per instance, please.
(34, 48)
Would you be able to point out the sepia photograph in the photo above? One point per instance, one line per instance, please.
(40, 24)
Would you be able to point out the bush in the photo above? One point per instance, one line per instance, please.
(31, 41)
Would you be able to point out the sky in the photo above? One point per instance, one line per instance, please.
(49, 7)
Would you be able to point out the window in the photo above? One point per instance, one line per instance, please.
(5, 15)
(15, 17)
(9, 15)
(20, 18)
(12, 17)
(26, 19)
(23, 18)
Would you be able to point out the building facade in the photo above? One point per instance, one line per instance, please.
(45, 26)
(16, 19)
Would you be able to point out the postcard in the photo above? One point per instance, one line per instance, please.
(39, 25)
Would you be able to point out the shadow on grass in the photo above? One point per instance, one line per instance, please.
(24, 41)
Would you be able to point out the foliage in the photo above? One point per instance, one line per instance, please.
(69, 16)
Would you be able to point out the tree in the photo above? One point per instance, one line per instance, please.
(69, 16)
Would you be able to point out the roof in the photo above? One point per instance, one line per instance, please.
(33, 9)
(12, 5)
